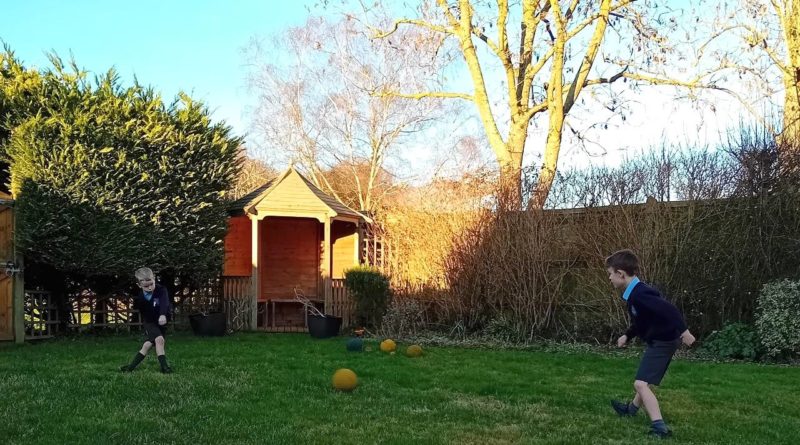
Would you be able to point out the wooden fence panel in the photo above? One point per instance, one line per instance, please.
(342, 305)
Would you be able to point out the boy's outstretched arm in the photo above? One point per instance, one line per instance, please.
(163, 307)
(674, 315)
(628, 335)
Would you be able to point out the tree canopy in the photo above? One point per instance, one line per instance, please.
(108, 177)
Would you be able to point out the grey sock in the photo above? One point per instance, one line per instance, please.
(659, 425)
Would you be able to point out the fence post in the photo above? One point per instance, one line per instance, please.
(19, 303)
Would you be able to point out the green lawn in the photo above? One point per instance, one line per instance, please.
(276, 389)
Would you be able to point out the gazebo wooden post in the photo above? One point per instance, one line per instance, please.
(254, 277)
(325, 267)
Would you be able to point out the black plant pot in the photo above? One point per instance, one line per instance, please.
(213, 324)
(324, 327)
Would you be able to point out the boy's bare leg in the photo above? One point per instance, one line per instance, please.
(650, 403)
(647, 399)
(637, 400)
(162, 359)
(137, 358)
(160, 345)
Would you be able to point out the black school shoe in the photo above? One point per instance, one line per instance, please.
(621, 408)
(659, 434)
(166, 370)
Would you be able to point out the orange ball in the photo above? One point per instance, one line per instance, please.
(414, 351)
(388, 345)
(345, 380)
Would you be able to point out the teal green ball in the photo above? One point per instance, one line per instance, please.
(355, 345)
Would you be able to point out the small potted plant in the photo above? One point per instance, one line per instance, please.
(320, 325)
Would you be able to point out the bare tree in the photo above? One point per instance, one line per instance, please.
(254, 173)
(346, 181)
(316, 108)
(547, 53)
(531, 62)
(759, 42)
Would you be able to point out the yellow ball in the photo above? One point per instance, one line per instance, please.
(414, 351)
(345, 380)
(388, 345)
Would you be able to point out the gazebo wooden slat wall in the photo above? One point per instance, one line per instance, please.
(342, 305)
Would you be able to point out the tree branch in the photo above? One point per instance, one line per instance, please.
(420, 23)
(591, 19)
(446, 10)
(534, 110)
(603, 80)
(501, 51)
(481, 96)
(697, 84)
(425, 94)
(530, 22)
(588, 60)
(501, 54)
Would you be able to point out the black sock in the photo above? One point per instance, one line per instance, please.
(163, 360)
(632, 409)
(135, 362)
(660, 425)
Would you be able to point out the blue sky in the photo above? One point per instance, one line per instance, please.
(172, 45)
(196, 46)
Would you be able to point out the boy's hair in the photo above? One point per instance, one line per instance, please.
(143, 273)
(624, 260)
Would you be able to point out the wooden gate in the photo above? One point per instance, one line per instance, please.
(6, 279)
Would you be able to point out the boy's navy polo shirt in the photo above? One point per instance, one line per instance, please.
(652, 316)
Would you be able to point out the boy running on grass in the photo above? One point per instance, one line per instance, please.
(659, 324)
(153, 305)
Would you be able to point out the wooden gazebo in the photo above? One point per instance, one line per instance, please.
(288, 235)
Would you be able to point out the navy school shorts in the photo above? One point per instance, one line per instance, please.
(656, 359)
(153, 330)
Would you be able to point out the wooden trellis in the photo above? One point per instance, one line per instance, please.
(41, 315)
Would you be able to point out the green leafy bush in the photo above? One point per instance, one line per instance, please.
(370, 290)
(778, 318)
(735, 340)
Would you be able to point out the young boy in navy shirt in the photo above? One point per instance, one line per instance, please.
(659, 324)
(153, 305)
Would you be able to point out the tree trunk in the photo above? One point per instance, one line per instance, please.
(510, 193)
(557, 112)
(791, 76)
(510, 197)
(791, 111)
(547, 174)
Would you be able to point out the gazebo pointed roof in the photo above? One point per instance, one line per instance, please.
(292, 194)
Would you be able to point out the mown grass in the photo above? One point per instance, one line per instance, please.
(258, 388)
